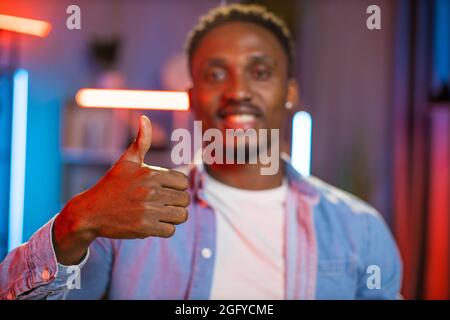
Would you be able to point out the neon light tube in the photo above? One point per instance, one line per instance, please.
(301, 142)
(133, 99)
(32, 27)
(18, 157)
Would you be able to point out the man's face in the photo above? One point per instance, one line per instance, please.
(239, 73)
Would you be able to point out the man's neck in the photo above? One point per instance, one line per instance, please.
(245, 176)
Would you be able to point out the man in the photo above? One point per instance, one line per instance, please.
(248, 236)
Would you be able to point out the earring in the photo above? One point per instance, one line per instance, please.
(288, 105)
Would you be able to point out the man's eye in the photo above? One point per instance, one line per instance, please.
(216, 75)
(261, 73)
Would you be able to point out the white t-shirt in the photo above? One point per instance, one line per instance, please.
(249, 254)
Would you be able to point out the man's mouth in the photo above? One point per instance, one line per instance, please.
(240, 117)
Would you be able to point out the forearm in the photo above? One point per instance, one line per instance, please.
(32, 272)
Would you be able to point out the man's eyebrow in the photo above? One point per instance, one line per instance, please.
(262, 58)
(254, 58)
(214, 62)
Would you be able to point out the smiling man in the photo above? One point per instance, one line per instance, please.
(248, 236)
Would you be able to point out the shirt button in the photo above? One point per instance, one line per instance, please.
(45, 275)
(206, 253)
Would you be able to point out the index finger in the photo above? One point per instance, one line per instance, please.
(171, 178)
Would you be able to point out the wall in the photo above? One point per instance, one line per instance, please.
(345, 72)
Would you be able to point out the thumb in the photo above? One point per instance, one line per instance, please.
(139, 148)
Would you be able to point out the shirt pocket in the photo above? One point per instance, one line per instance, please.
(336, 278)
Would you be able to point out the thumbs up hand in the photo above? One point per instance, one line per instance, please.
(133, 200)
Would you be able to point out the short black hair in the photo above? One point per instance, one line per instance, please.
(242, 13)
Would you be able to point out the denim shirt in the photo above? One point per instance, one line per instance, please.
(336, 247)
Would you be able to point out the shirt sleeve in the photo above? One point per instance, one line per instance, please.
(381, 271)
(31, 271)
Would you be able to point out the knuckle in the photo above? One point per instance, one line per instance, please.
(182, 179)
(146, 226)
(184, 183)
(152, 192)
(184, 215)
(186, 199)
(168, 230)
(141, 219)
(179, 214)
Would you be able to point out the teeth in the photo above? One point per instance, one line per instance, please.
(241, 118)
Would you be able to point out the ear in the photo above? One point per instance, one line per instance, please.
(293, 95)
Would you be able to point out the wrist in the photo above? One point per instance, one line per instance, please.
(72, 224)
(71, 235)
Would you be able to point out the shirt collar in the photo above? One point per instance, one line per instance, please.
(296, 181)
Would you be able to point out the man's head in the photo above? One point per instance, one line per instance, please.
(241, 63)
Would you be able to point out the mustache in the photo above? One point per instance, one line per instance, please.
(240, 108)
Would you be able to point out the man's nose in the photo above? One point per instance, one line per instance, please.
(238, 89)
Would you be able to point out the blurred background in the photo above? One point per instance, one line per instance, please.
(379, 102)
